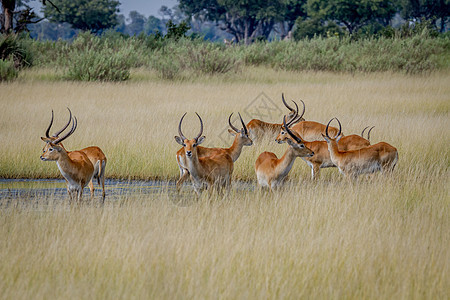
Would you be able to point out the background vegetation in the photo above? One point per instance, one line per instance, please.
(110, 57)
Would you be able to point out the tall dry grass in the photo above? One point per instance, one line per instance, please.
(376, 238)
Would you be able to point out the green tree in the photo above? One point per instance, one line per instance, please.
(315, 27)
(291, 11)
(431, 10)
(85, 14)
(353, 14)
(18, 14)
(137, 22)
(153, 25)
(244, 19)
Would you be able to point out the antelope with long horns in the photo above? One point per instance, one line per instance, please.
(271, 171)
(74, 166)
(321, 158)
(94, 153)
(379, 157)
(241, 139)
(212, 171)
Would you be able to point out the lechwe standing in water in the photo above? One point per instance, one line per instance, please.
(379, 157)
(75, 166)
(321, 158)
(271, 171)
(262, 130)
(94, 153)
(212, 171)
(241, 139)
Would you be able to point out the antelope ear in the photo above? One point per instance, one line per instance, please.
(179, 141)
(46, 139)
(201, 140)
(339, 137)
(232, 132)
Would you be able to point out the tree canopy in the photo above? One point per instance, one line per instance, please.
(84, 14)
(353, 14)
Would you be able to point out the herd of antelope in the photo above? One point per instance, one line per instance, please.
(352, 154)
(212, 168)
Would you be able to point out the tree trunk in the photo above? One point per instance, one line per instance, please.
(246, 41)
(8, 8)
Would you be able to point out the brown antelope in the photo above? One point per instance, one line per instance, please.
(271, 170)
(379, 157)
(212, 171)
(74, 166)
(309, 130)
(241, 139)
(321, 158)
(259, 129)
(94, 153)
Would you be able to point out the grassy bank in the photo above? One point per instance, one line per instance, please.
(377, 238)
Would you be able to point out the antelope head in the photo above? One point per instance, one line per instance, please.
(53, 147)
(190, 146)
(296, 142)
(241, 134)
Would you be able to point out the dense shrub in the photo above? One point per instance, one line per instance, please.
(211, 59)
(16, 48)
(109, 57)
(91, 58)
(7, 70)
(167, 66)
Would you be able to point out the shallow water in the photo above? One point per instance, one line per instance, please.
(29, 190)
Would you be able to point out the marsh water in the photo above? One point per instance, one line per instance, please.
(29, 190)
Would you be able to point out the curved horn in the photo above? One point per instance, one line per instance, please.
(179, 128)
(74, 126)
(368, 133)
(243, 124)
(326, 129)
(304, 108)
(201, 127)
(340, 128)
(328, 125)
(295, 116)
(362, 133)
(231, 125)
(47, 132)
(298, 117)
(284, 102)
(296, 138)
(67, 125)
